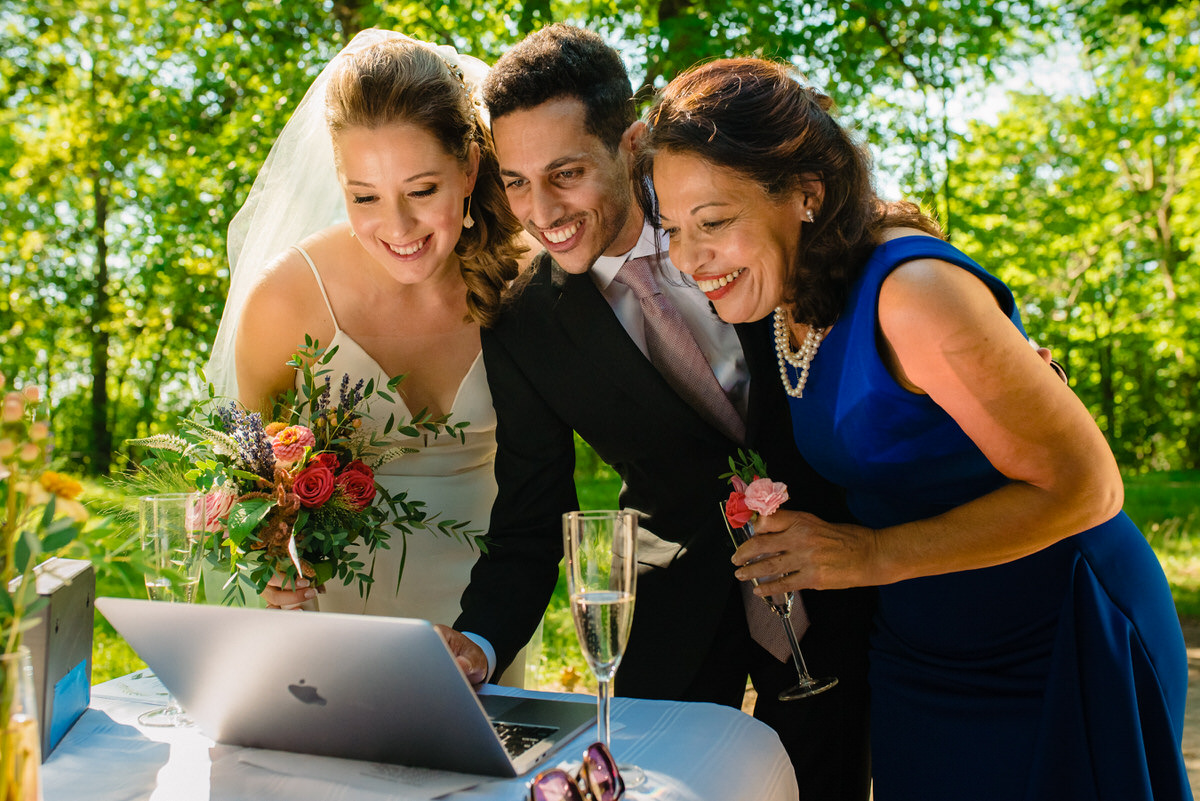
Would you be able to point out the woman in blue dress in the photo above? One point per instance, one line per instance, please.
(1026, 644)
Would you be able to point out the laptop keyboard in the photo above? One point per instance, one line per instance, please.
(520, 737)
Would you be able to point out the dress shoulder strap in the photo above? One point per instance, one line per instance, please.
(894, 252)
(320, 285)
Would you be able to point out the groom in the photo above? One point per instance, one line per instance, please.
(569, 355)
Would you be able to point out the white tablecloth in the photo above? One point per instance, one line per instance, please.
(689, 752)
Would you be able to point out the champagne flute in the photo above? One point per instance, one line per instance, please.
(806, 685)
(172, 535)
(601, 553)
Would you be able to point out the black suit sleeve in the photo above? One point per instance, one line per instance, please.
(512, 583)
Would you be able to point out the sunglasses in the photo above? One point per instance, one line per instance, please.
(598, 780)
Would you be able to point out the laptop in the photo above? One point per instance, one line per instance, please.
(380, 689)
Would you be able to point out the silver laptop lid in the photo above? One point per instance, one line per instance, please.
(354, 686)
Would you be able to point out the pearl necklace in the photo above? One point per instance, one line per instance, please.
(799, 359)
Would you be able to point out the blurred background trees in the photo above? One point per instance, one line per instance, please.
(1055, 139)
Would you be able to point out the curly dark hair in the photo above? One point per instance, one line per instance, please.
(400, 80)
(562, 61)
(757, 118)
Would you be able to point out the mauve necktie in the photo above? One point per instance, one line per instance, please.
(674, 352)
(766, 627)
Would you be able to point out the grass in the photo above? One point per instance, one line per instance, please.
(1166, 506)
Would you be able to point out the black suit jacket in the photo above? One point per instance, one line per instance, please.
(559, 361)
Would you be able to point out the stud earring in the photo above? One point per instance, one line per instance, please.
(468, 220)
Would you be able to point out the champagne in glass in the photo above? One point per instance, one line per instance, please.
(172, 534)
(601, 577)
(806, 685)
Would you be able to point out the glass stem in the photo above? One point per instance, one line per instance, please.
(801, 667)
(602, 720)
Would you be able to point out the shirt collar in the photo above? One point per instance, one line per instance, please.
(606, 267)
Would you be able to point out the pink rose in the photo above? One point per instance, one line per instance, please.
(217, 504)
(313, 485)
(765, 496)
(738, 484)
(289, 444)
(736, 510)
(358, 487)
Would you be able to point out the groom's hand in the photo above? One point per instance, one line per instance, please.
(469, 656)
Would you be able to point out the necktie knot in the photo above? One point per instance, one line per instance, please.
(638, 275)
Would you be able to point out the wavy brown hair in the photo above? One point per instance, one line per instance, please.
(400, 80)
(756, 118)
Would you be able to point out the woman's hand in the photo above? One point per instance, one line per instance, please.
(806, 552)
(277, 597)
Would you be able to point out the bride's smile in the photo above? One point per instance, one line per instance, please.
(411, 249)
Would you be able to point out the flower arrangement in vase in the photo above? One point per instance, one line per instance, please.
(39, 516)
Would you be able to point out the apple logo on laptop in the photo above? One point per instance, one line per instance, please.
(306, 693)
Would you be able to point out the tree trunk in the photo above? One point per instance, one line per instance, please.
(101, 445)
(348, 14)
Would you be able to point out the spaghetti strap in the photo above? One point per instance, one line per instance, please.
(320, 285)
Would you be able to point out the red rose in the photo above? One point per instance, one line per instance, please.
(736, 510)
(358, 466)
(326, 458)
(313, 485)
(358, 487)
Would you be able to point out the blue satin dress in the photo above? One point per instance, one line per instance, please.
(1061, 675)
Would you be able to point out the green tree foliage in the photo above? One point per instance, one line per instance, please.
(1087, 205)
(133, 130)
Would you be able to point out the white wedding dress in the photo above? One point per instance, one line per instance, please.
(455, 479)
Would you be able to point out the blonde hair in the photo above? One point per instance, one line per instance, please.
(400, 80)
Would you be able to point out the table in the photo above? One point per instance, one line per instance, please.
(689, 751)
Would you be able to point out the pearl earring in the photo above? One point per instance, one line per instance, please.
(468, 220)
(811, 218)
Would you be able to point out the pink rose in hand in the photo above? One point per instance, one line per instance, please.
(736, 511)
(765, 496)
(289, 444)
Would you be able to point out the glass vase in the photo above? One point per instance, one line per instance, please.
(20, 750)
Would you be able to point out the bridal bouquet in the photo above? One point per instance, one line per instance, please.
(753, 493)
(298, 495)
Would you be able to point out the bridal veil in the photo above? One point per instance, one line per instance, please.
(297, 193)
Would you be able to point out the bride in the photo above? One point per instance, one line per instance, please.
(378, 224)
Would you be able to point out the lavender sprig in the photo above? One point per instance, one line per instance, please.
(246, 429)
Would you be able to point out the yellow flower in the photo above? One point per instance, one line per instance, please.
(60, 485)
(39, 495)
